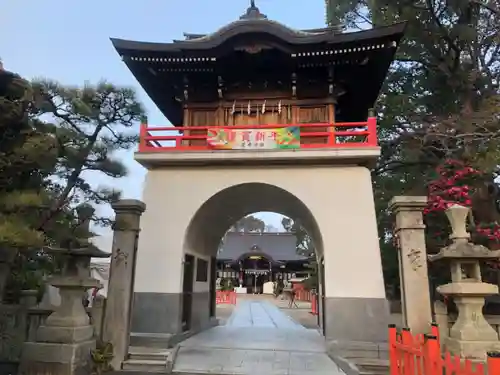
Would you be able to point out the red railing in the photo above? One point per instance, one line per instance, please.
(225, 297)
(421, 355)
(303, 295)
(318, 135)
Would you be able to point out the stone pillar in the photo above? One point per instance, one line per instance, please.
(413, 273)
(116, 326)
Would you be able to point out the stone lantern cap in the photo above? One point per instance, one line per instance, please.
(465, 251)
(89, 250)
(71, 282)
(461, 248)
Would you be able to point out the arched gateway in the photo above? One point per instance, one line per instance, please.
(268, 119)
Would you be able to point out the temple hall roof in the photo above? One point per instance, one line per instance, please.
(164, 68)
(278, 246)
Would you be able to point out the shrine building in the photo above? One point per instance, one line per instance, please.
(264, 118)
(251, 259)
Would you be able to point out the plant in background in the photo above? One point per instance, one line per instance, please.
(455, 184)
(311, 283)
(226, 285)
(102, 356)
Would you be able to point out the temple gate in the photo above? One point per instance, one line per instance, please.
(266, 118)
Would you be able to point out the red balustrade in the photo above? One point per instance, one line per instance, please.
(421, 355)
(302, 295)
(225, 297)
(251, 137)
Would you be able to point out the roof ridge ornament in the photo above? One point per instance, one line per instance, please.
(253, 13)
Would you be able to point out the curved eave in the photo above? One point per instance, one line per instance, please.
(160, 95)
(284, 33)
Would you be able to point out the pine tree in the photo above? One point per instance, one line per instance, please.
(27, 157)
(52, 135)
(90, 125)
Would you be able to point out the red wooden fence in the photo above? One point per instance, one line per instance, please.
(314, 304)
(303, 295)
(421, 355)
(225, 297)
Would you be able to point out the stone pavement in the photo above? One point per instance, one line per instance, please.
(257, 339)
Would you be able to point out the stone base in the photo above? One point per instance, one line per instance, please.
(475, 350)
(64, 334)
(56, 359)
(356, 319)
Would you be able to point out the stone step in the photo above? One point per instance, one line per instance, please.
(153, 356)
(143, 365)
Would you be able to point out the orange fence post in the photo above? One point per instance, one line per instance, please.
(493, 363)
(393, 355)
(143, 133)
(432, 355)
(314, 304)
(407, 359)
(233, 298)
(331, 135)
(372, 131)
(435, 330)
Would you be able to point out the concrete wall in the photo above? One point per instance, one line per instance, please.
(200, 314)
(190, 209)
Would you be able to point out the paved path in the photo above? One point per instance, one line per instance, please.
(257, 339)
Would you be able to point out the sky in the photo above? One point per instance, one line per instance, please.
(68, 41)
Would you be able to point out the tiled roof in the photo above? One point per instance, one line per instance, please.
(279, 246)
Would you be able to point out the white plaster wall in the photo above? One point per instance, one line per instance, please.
(340, 199)
(159, 246)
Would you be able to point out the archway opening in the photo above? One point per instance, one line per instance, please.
(263, 251)
(259, 255)
(219, 213)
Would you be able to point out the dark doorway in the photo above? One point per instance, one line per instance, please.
(187, 292)
(213, 277)
(322, 296)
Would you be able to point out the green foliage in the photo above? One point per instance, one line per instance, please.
(90, 125)
(25, 161)
(249, 224)
(28, 272)
(102, 356)
(226, 285)
(305, 245)
(51, 137)
(311, 283)
(440, 100)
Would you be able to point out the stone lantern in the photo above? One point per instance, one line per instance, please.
(471, 336)
(64, 341)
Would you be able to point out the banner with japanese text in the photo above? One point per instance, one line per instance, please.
(254, 139)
